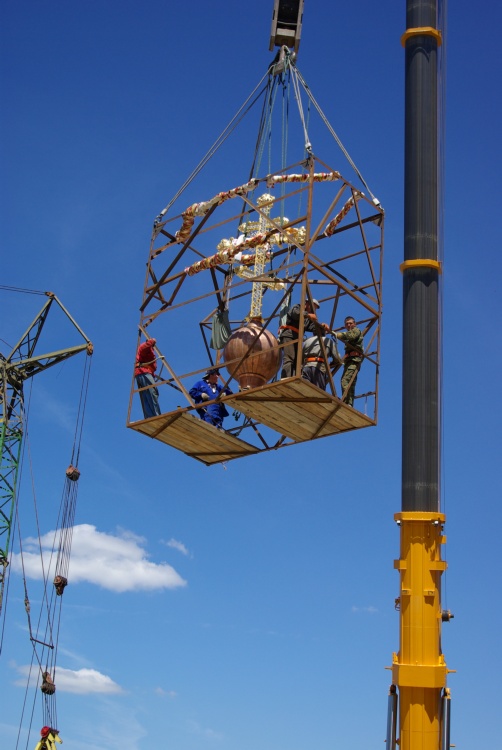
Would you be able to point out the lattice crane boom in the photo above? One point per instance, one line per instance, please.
(22, 363)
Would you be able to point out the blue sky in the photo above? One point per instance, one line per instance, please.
(251, 605)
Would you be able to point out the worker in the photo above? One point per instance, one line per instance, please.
(206, 390)
(315, 367)
(354, 353)
(144, 372)
(288, 334)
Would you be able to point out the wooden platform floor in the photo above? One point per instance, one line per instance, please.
(189, 434)
(298, 409)
(292, 407)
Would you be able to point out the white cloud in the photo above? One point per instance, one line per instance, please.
(81, 681)
(210, 734)
(114, 562)
(370, 610)
(85, 681)
(174, 544)
(167, 693)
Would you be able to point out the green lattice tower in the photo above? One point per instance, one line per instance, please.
(22, 363)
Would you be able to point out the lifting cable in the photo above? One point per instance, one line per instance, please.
(296, 88)
(258, 150)
(261, 127)
(19, 289)
(264, 135)
(45, 641)
(335, 136)
(241, 113)
(296, 78)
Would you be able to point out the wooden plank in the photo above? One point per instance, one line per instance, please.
(272, 413)
(298, 428)
(318, 409)
(284, 408)
(345, 418)
(195, 437)
(323, 421)
(298, 409)
(347, 413)
(203, 441)
(298, 420)
(293, 407)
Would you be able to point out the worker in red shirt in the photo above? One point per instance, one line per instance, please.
(144, 373)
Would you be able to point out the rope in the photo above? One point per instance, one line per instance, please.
(296, 88)
(24, 708)
(216, 145)
(286, 90)
(261, 125)
(335, 136)
(45, 636)
(265, 135)
(84, 390)
(265, 132)
(20, 289)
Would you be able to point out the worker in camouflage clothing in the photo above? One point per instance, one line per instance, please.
(354, 352)
(288, 334)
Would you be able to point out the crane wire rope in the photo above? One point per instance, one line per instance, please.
(267, 92)
(296, 89)
(297, 79)
(216, 145)
(26, 691)
(265, 129)
(264, 133)
(258, 150)
(16, 529)
(333, 133)
(47, 642)
(43, 640)
(5, 288)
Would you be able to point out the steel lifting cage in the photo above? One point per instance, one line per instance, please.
(289, 237)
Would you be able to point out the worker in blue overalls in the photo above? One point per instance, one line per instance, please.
(207, 390)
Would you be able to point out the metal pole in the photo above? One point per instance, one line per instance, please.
(390, 742)
(446, 720)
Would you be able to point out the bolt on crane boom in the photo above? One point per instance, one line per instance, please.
(22, 363)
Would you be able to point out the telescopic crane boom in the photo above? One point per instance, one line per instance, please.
(419, 669)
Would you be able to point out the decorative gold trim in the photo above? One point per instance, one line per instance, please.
(421, 263)
(422, 31)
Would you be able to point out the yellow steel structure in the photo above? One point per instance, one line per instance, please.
(419, 669)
